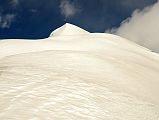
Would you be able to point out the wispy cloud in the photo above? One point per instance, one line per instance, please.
(68, 8)
(142, 27)
(8, 13)
(14, 3)
(6, 20)
(32, 10)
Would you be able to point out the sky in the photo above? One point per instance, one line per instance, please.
(35, 19)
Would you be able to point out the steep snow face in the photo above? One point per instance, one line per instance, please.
(78, 77)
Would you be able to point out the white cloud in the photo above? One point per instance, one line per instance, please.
(68, 8)
(142, 27)
(6, 20)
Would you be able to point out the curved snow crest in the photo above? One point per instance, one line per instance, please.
(69, 29)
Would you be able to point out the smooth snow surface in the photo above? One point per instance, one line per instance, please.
(68, 29)
(78, 76)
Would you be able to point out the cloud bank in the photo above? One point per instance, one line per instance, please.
(142, 27)
(68, 8)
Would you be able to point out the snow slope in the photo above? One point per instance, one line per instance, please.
(77, 75)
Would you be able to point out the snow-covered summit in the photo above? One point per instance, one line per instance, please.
(77, 75)
(69, 29)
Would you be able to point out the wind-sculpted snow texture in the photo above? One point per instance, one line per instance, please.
(77, 75)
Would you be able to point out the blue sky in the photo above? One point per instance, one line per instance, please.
(34, 19)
